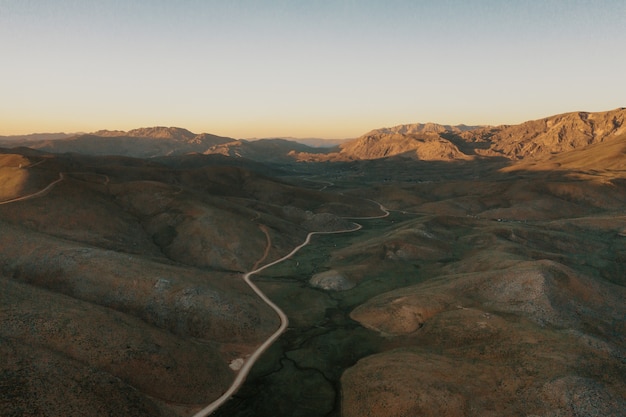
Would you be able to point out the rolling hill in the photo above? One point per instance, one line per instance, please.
(123, 279)
(495, 285)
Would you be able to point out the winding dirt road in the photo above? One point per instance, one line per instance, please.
(38, 193)
(284, 321)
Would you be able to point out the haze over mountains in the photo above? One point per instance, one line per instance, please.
(495, 286)
(422, 141)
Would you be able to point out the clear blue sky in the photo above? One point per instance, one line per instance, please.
(335, 69)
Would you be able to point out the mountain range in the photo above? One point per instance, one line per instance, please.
(536, 139)
(422, 141)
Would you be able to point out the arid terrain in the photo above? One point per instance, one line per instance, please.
(494, 287)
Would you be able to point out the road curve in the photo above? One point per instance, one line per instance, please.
(284, 321)
(38, 193)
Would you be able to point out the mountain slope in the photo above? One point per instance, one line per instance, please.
(609, 155)
(429, 146)
(555, 134)
(535, 139)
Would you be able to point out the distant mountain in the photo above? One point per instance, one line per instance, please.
(417, 128)
(317, 142)
(160, 132)
(266, 150)
(139, 143)
(8, 140)
(159, 141)
(537, 139)
(157, 132)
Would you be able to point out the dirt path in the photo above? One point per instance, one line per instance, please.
(284, 321)
(38, 193)
(268, 246)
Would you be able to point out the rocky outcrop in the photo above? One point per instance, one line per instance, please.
(429, 146)
(331, 280)
(545, 292)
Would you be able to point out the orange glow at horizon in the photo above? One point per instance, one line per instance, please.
(303, 69)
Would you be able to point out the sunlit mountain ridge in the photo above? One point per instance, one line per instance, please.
(423, 141)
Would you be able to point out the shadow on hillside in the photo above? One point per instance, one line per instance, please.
(487, 187)
(468, 148)
(408, 169)
(405, 168)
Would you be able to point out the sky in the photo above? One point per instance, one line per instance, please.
(304, 68)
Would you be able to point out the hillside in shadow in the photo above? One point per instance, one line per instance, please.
(493, 287)
(122, 280)
(504, 266)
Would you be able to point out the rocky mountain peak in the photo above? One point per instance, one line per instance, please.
(162, 132)
(156, 132)
(415, 128)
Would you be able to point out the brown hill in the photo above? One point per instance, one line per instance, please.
(428, 146)
(517, 303)
(123, 282)
(498, 327)
(16, 177)
(12, 178)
